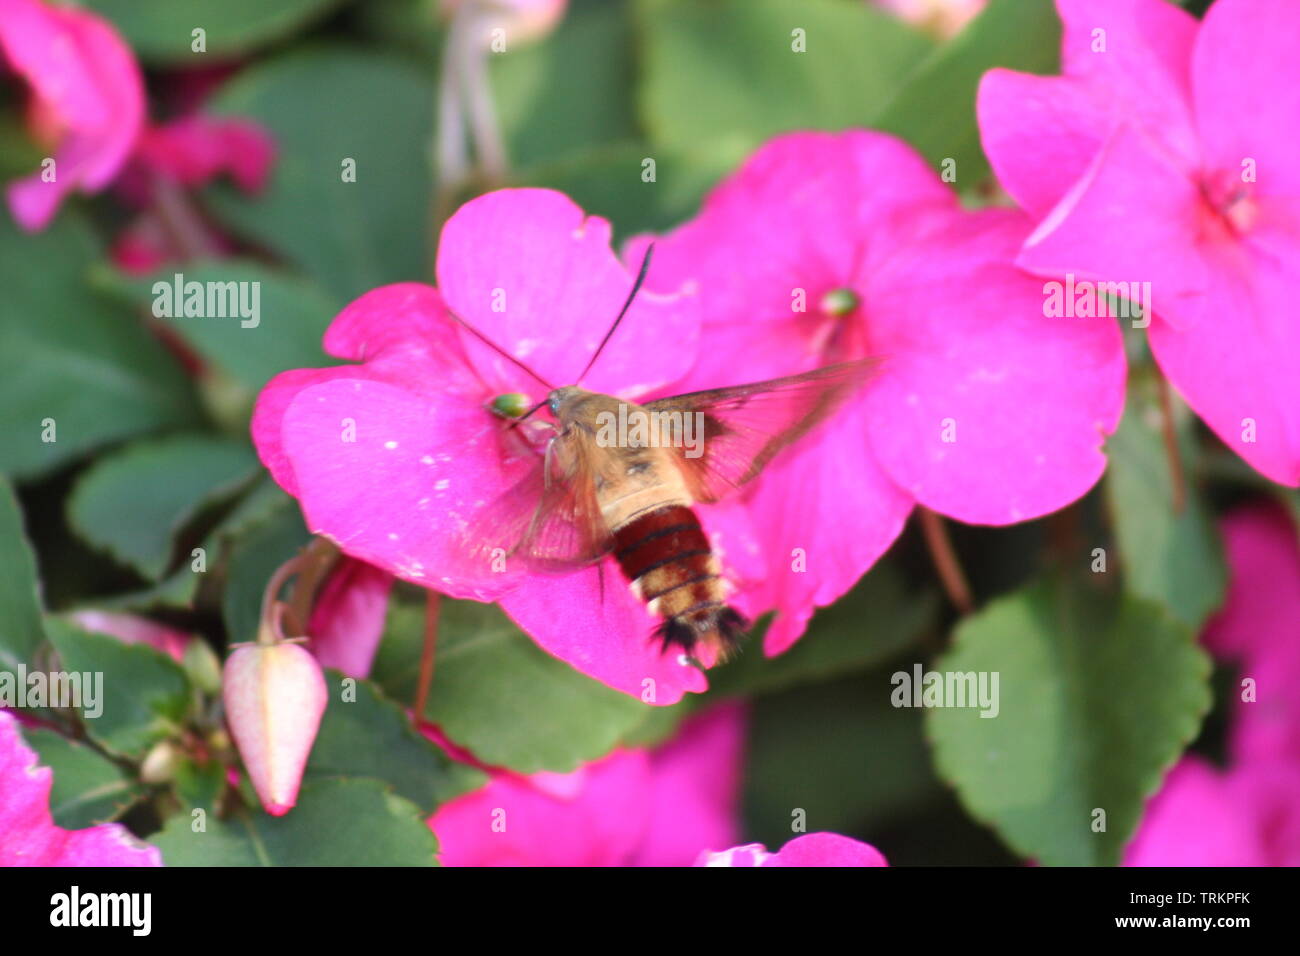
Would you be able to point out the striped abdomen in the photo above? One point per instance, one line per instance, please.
(666, 556)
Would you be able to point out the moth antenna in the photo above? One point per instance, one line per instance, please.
(636, 287)
(502, 352)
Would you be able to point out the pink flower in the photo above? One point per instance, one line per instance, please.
(195, 149)
(813, 849)
(28, 834)
(1247, 814)
(633, 807)
(398, 458)
(87, 95)
(131, 629)
(140, 249)
(1193, 821)
(1165, 154)
(825, 247)
(1259, 629)
(347, 620)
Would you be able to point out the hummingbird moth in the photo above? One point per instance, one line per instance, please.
(618, 477)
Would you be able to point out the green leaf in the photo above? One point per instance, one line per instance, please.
(21, 632)
(264, 501)
(253, 559)
(410, 26)
(336, 823)
(199, 785)
(660, 724)
(498, 694)
(324, 106)
(20, 155)
(935, 111)
(372, 737)
(88, 787)
(570, 91)
(135, 502)
(1097, 697)
(139, 695)
(873, 622)
(1172, 559)
(724, 73)
(293, 315)
(161, 31)
(838, 752)
(607, 181)
(73, 358)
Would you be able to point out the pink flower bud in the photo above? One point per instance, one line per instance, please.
(275, 695)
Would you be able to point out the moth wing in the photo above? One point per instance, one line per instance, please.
(746, 426)
(548, 523)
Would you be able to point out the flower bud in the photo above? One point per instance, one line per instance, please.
(275, 695)
(160, 763)
(202, 666)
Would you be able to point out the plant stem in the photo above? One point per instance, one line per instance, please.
(432, 607)
(318, 559)
(184, 225)
(1177, 476)
(945, 560)
(268, 622)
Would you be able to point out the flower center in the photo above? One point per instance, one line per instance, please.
(1230, 196)
(839, 332)
(840, 302)
(511, 405)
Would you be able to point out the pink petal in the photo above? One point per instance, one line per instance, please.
(800, 213)
(695, 789)
(827, 849)
(1270, 791)
(1143, 75)
(530, 272)
(273, 401)
(605, 631)
(1256, 630)
(1195, 821)
(813, 849)
(986, 410)
(402, 334)
(800, 504)
(750, 854)
(195, 149)
(421, 471)
(83, 74)
(347, 621)
(1242, 362)
(1134, 217)
(402, 317)
(1040, 133)
(609, 638)
(513, 822)
(28, 835)
(130, 629)
(1247, 100)
(138, 253)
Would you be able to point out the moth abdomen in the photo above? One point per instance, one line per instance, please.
(666, 555)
